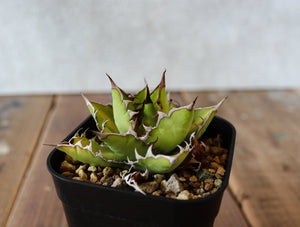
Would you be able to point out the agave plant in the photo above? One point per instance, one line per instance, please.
(143, 131)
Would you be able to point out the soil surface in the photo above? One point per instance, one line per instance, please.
(200, 175)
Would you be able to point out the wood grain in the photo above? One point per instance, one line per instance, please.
(265, 176)
(230, 214)
(37, 203)
(21, 120)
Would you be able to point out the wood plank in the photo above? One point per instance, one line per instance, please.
(37, 203)
(21, 120)
(265, 176)
(230, 214)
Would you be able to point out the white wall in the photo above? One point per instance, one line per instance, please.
(61, 46)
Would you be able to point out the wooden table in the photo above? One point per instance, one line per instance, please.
(264, 183)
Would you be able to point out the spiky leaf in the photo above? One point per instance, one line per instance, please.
(124, 145)
(161, 163)
(120, 111)
(172, 129)
(103, 115)
(202, 119)
(159, 96)
(87, 151)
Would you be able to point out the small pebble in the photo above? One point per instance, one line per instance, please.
(77, 178)
(218, 183)
(221, 171)
(217, 159)
(123, 172)
(206, 194)
(82, 167)
(193, 178)
(212, 171)
(216, 150)
(199, 191)
(66, 166)
(157, 193)
(195, 184)
(214, 190)
(196, 196)
(182, 179)
(108, 171)
(173, 185)
(108, 182)
(205, 175)
(149, 187)
(171, 195)
(68, 174)
(103, 179)
(99, 174)
(117, 183)
(214, 165)
(93, 177)
(208, 184)
(184, 195)
(158, 177)
(92, 169)
(223, 158)
(82, 174)
(115, 176)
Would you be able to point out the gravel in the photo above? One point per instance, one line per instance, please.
(186, 183)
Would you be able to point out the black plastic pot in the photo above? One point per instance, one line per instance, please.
(88, 204)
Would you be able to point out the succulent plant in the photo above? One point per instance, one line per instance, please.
(143, 131)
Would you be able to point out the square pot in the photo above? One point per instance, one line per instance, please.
(89, 204)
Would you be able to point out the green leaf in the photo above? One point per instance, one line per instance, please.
(148, 113)
(120, 111)
(161, 163)
(86, 151)
(172, 129)
(202, 119)
(159, 96)
(124, 145)
(102, 114)
(139, 98)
